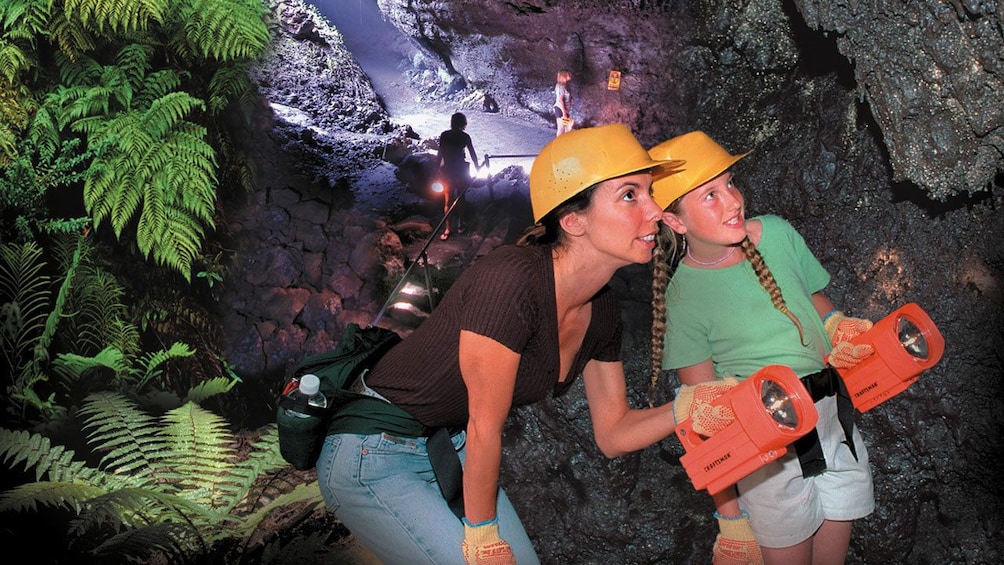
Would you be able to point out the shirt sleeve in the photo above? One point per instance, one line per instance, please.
(500, 301)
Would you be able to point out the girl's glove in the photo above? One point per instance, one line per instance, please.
(694, 402)
(736, 544)
(483, 546)
(841, 329)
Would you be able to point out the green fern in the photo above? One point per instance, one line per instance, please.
(173, 485)
(24, 295)
(120, 16)
(225, 30)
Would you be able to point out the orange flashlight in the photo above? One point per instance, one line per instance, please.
(906, 344)
(772, 409)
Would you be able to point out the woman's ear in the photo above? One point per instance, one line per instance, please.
(673, 221)
(572, 223)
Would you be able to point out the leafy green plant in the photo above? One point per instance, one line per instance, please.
(168, 487)
(140, 83)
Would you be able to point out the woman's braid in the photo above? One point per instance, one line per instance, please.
(664, 259)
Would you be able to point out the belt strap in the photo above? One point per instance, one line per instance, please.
(446, 467)
(820, 385)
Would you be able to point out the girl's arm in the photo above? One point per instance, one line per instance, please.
(489, 371)
(619, 429)
(726, 501)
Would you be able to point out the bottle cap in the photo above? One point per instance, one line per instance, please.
(310, 384)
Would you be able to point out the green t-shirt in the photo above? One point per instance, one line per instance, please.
(725, 314)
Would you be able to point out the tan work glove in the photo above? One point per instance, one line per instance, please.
(694, 402)
(841, 328)
(483, 546)
(736, 544)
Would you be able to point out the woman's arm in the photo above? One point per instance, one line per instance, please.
(823, 304)
(489, 371)
(619, 429)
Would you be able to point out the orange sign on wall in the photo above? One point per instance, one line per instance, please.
(614, 80)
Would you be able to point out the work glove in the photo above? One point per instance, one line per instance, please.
(483, 546)
(694, 402)
(736, 544)
(841, 329)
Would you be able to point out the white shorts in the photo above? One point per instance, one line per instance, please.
(786, 509)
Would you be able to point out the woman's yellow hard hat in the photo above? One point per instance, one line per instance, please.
(574, 161)
(705, 160)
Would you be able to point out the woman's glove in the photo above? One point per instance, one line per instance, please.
(694, 402)
(841, 329)
(483, 546)
(736, 544)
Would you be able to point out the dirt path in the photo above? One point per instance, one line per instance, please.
(384, 53)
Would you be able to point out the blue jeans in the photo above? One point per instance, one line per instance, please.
(382, 488)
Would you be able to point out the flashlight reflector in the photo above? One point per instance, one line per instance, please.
(906, 344)
(772, 410)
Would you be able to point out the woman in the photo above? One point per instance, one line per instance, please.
(743, 294)
(562, 103)
(519, 325)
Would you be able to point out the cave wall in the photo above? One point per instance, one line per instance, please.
(876, 129)
(842, 146)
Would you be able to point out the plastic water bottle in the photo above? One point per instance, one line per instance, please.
(310, 388)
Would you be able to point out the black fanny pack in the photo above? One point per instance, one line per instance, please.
(820, 385)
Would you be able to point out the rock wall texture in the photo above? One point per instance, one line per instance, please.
(875, 129)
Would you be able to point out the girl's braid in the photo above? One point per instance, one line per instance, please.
(769, 284)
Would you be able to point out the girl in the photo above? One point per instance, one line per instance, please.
(738, 294)
(521, 324)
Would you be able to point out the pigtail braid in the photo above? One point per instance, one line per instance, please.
(769, 284)
(664, 259)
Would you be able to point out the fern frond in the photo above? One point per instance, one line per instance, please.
(160, 542)
(309, 494)
(226, 30)
(157, 85)
(24, 19)
(24, 296)
(229, 83)
(71, 366)
(150, 364)
(131, 437)
(120, 16)
(71, 36)
(136, 507)
(13, 61)
(50, 494)
(209, 388)
(134, 62)
(201, 452)
(54, 462)
(99, 313)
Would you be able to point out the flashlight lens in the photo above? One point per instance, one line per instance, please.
(912, 338)
(778, 404)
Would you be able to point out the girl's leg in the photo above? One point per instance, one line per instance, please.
(831, 542)
(828, 546)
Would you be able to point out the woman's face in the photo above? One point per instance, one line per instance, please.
(622, 219)
(711, 214)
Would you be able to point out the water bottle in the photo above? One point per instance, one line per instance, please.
(310, 392)
(300, 433)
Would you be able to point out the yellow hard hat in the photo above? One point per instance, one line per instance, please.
(705, 160)
(574, 161)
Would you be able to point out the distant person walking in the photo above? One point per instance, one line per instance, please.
(563, 103)
(455, 171)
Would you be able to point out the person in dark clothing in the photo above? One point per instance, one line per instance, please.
(454, 169)
(522, 324)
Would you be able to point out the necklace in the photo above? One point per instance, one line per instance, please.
(710, 263)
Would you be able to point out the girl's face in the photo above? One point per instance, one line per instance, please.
(710, 215)
(622, 219)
